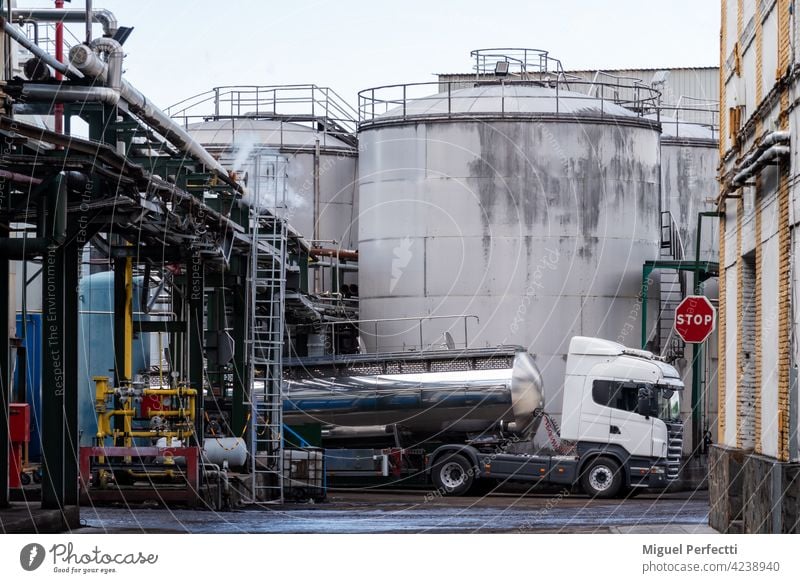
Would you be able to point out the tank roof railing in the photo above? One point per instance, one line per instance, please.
(524, 64)
(319, 107)
(374, 103)
(691, 111)
(373, 327)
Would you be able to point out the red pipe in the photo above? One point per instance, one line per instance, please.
(58, 110)
(346, 254)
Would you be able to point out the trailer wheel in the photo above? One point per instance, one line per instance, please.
(601, 478)
(453, 475)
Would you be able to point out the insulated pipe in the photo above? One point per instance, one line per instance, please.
(114, 55)
(63, 94)
(770, 139)
(100, 15)
(754, 167)
(92, 66)
(43, 55)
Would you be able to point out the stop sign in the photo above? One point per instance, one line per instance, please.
(695, 319)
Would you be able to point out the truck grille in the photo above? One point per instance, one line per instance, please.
(674, 450)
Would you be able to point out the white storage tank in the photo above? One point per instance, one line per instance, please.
(529, 204)
(312, 127)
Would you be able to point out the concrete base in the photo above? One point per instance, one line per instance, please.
(752, 493)
(725, 488)
(22, 518)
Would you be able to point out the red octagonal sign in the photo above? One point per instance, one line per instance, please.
(695, 319)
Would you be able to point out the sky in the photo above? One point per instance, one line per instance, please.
(180, 48)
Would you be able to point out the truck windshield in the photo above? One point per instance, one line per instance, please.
(669, 403)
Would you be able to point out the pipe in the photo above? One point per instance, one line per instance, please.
(771, 153)
(88, 17)
(58, 109)
(43, 55)
(114, 55)
(346, 254)
(139, 105)
(63, 94)
(20, 178)
(102, 16)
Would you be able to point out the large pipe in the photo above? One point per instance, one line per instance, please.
(20, 178)
(100, 15)
(63, 94)
(766, 156)
(92, 66)
(43, 55)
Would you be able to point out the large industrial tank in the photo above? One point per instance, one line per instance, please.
(689, 161)
(531, 205)
(96, 344)
(312, 127)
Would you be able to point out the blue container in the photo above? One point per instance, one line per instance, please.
(31, 334)
(96, 344)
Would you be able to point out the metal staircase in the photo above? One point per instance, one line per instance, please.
(672, 289)
(267, 291)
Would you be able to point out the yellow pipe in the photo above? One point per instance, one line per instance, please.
(179, 392)
(127, 365)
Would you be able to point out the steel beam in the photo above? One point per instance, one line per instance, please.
(196, 340)
(60, 378)
(5, 375)
(240, 369)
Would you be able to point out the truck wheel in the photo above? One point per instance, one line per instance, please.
(601, 478)
(453, 475)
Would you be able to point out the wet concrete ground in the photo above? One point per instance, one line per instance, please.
(414, 512)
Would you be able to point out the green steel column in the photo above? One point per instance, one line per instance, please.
(54, 338)
(72, 260)
(240, 368)
(646, 271)
(196, 340)
(5, 379)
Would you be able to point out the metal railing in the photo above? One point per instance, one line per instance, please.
(372, 328)
(450, 99)
(319, 107)
(691, 111)
(520, 62)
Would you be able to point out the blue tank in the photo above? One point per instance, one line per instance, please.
(31, 335)
(96, 344)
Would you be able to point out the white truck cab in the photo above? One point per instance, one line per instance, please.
(626, 403)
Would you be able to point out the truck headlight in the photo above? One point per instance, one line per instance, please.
(658, 470)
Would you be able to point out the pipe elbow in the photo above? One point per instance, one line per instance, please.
(107, 20)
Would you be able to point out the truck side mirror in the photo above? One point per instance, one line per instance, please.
(643, 407)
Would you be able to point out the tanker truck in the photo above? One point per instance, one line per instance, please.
(467, 419)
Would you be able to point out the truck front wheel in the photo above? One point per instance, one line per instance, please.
(453, 475)
(601, 478)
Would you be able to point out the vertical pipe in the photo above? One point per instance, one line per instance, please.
(58, 109)
(316, 211)
(89, 19)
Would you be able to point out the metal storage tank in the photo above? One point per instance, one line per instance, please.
(689, 161)
(529, 204)
(96, 344)
(311, 126)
